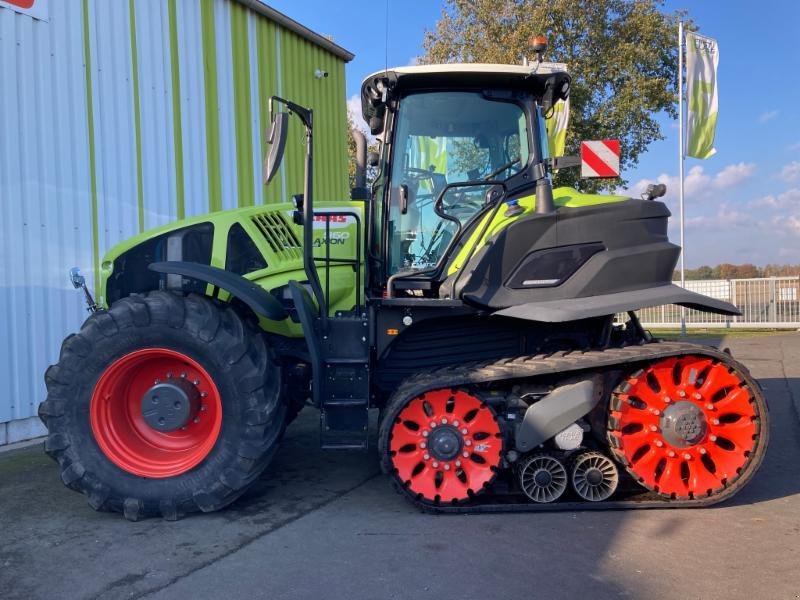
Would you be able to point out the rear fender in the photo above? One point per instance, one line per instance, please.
(572, 309)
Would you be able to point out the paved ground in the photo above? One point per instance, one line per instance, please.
(328, 526)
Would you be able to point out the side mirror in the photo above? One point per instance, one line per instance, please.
(276, 138)
(78, 280)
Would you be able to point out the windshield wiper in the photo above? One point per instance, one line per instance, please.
(501, 169)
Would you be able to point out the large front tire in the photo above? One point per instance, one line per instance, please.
(120, 457)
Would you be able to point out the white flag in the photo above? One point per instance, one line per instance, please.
(702, 60)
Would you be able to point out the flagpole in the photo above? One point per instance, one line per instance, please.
(680, 169)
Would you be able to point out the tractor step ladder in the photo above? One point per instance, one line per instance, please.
(339, 349)
(340, 362)
(344, 388)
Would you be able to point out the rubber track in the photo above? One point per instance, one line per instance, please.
(563, 362)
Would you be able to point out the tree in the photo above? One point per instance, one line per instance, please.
(372, 146)
(621, 55)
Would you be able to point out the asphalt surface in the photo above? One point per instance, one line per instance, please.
(327, 525)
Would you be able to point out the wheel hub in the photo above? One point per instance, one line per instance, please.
(543, 478)
(445, 443)
(445, 446)
(594, 476)
(170, 405)
(683, 424)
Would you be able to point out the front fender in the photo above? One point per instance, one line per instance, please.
(257, 298)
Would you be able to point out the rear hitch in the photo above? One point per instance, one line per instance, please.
(79, 283)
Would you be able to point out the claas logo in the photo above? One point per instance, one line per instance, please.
(332, 218)
(21, 3)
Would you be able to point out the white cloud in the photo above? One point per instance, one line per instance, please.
(767, 116)
(791, 172)
(696, 183)
(733, 175)
(792, 224)
(788, 200)
(354, 109)
(725, 219)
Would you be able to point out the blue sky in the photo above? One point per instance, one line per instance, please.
(742, 204)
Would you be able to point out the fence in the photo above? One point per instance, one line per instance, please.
(772, 302)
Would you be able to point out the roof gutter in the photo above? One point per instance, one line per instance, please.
(294, 26)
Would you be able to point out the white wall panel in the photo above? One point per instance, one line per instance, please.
(114, 131)
(155, 103)
(227, 133)
(46, 220)
(193, 107)
(48, 216)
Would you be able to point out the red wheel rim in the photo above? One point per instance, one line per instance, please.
(122, 432)
(445, 445)
(685, 426)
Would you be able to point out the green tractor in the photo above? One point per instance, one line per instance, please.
(462, 296)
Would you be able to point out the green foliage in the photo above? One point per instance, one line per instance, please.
(621, 54)
(373, 146)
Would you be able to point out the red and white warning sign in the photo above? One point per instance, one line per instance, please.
(600, 158)
(34, 8)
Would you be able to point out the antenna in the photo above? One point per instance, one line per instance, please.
(386, 50)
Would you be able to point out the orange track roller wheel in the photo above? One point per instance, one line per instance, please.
(445, 446)
(685, 427)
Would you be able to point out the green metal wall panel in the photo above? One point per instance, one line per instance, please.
(299, 61)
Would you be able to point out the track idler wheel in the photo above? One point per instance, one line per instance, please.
(443, 446)
(688, 427)
(542, 478)
(594, 476)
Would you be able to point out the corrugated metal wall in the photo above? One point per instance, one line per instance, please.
(119, 116)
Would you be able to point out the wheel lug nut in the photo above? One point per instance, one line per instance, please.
(715, 421)
(423, 445)
(458, 463)
(433, 424)
(703, 450)
(455, 423)
(169, 375)
(713, 438)
(465, 455)
(667, 399)
(435, 464)
(203, 394)
(444, 421)
(196, 382)
(682, 394)
(687, 456)
(203, 407)
(196, 420)
(467, 443)
(156, 382)
(656, 412)
(710, 406)
(464, 431)
(671, 454)
(426, 456)
(659, 443)
(446, 467)
(653, 428)
(425, 434)
(698, 396)
(183, 375)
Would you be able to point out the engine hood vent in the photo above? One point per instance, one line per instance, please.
(278, 234)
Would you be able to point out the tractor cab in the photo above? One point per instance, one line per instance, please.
(458, 141)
